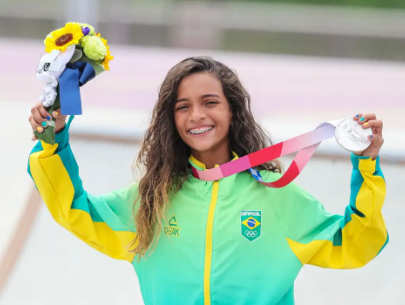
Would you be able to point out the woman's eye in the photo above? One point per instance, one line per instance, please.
(182, 107)
(212, 102)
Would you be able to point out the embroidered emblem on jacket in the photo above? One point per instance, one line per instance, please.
(251, 224)
(172, 229)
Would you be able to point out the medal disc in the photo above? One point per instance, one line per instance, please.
(352, 136)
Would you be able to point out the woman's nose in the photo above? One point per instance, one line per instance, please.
(197, 114)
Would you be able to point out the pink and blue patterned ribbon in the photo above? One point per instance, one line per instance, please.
(305, 144)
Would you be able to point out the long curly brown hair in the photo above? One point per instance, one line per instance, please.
(164, 155)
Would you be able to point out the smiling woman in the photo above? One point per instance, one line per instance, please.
(210, 229)
(203, 119)
(199, 93)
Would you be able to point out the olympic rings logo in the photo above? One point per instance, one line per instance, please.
(250, 233)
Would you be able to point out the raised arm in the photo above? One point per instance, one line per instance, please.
(104, 222)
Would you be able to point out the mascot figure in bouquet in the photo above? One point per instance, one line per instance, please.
(74, 55)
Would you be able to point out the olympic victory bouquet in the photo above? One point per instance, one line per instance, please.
(75, 54)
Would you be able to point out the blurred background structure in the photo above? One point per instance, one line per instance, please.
(372, 29)
(303, 61)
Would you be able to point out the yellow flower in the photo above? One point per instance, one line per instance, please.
(108, 57)
(62, 38)
(104, 41)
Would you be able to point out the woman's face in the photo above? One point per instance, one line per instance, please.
(202, 114)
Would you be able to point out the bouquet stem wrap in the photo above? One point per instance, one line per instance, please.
(48, 135)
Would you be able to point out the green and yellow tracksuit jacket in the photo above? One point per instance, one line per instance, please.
(232, 241)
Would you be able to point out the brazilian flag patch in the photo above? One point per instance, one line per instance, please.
(251, 224)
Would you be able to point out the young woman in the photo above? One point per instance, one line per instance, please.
(232, 241)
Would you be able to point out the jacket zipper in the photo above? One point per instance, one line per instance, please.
(208, 243)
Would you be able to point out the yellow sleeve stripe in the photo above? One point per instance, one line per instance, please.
(57, 191)
(362, 237)
(100, 236)
(355, 252)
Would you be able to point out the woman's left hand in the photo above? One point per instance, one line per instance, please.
(369, 120)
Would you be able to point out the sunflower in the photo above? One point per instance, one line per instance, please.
(108, 57)
(64, 37)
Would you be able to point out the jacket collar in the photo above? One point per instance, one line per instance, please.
(225, 184)
(201, 166)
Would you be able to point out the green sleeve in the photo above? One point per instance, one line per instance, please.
(336, 241)
(104, 222)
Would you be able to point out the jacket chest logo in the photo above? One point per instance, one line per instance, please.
(251, 224)
(172, 229)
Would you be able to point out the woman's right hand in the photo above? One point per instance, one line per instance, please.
(39, 116)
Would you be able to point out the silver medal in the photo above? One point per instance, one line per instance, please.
(352, 136)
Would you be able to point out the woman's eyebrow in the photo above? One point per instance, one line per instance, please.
(210, 95)
(203, 96)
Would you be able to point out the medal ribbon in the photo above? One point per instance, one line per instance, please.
(305, 144)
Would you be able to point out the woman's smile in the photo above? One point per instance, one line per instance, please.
(200, 131)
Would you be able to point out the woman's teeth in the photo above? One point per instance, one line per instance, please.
(200, 130)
